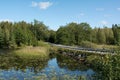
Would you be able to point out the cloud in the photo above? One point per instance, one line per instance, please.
(107, 15)
(100, 9)
(42, 5)
(34, 4)
(104, 22)
(118, 9)
(82, 14)
(4, 20)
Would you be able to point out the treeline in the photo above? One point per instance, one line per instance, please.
(76, 34)
(17, 34)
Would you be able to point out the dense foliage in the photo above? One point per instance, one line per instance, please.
(22, 33)
(75, 34)
(107, 67)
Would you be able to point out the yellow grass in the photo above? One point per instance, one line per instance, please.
(98, 46)
(32, 52)
(107, 47)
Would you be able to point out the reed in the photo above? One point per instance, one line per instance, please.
(32, 52)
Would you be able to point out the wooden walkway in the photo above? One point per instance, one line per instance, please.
(89, 50)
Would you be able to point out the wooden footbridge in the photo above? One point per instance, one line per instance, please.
(89, 50)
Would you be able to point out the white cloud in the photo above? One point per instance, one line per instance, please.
(4, 20)
(45, 5)
(42, 5)
(107, 15)
(118, 9)
(104, 22)
(34, 4)
(100, 9)
(82, 14)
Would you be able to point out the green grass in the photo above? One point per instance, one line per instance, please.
(43, 44)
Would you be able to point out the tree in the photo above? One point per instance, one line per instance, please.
(40, 30)
(1, 38)
(63, 36)
(52, 36)
(74, 34)
(94, 35)
(23, 34)
(71, 28)
(101, 36)
(83, 32)
(109, 35)
(116, 32)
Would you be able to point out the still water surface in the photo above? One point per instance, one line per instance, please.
(56, 68)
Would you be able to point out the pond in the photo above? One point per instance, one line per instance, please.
(58, 67)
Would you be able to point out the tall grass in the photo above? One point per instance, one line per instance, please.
(43, 44)
(97, 46)
(30, 52)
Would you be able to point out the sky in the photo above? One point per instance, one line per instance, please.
(56, 13)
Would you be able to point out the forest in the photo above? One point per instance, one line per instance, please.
(17, 34)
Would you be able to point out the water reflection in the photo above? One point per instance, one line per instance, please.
(59, 67)
(70, 63)
(9, 61)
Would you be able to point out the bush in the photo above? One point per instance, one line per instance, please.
(88, 44)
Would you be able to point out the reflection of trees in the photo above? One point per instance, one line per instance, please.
(8, 61)
(69, 63)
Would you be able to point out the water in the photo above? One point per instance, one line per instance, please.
(56, 68)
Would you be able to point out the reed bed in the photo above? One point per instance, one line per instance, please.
(30, 52)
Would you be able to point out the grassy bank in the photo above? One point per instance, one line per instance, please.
(30, 52)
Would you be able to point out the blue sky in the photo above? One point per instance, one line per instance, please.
(55, 13)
